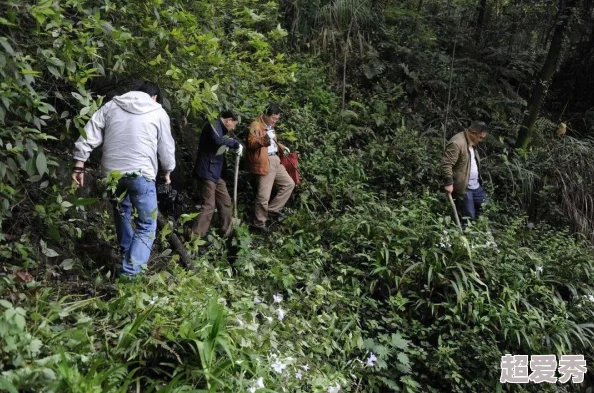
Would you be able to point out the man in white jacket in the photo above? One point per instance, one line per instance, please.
(134, 129)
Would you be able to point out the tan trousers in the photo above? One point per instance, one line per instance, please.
(212, 195)
(277, 175)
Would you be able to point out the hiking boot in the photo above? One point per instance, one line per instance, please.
(278, 216)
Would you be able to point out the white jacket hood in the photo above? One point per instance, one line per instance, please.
(137, 103)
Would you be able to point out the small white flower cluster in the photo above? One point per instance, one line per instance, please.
(277, 298)
(258, 384)
(371, 360)
(589, 298)
(334, 389)
(444, 240)
(280, 365)
(489, 244)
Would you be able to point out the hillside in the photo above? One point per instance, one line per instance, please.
(368, 286)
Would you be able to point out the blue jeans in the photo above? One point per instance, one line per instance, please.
(136, 243)
(470, 205)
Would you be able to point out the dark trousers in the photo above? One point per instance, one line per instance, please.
(213, 195)
(469, 207)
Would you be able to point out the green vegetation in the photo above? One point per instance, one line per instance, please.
(368, 286)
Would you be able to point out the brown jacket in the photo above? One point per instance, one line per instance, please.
(455, 164)
(257, 148)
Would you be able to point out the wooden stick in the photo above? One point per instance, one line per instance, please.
(455, 211)
(236, 176)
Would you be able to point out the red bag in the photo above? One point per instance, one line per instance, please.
(290, 162)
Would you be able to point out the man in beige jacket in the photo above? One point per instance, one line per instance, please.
(263, 151)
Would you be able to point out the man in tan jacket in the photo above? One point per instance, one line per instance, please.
(460, 170)
(263, 150)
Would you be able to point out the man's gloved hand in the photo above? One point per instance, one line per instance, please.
(286, 150)
(239, 150)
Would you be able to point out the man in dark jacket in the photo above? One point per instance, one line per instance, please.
(209, 166)
(460, 169)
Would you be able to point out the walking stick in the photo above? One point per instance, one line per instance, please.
(455, 211)
(236, 176)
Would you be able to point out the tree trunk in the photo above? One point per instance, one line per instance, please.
(344, 65)
(544, 77)
(480, 20)
(513, 29)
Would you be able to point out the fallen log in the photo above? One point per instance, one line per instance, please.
(176, 244)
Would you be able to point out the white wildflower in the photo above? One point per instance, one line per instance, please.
(258, 384)
(539, 269)
(591, 298)
(153, 300)
(334, 389)
(371, 360)
(278, 366)
(256, 300)
(281, 314)
(298, 375)
(277, 298)
(444, 241)
(306, 367)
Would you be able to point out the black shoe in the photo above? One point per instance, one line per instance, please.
(260, 228)
(278, 216)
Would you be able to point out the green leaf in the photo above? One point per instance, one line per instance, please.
(399, 342)
(6, 46)
(54, 71)
(48, 373)
(57, 62)
(5, 303)
(35, 346)
(30, 167)
(5, 385)
(41, 163)
(19, 320)
(47, 251)
(67, 264)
